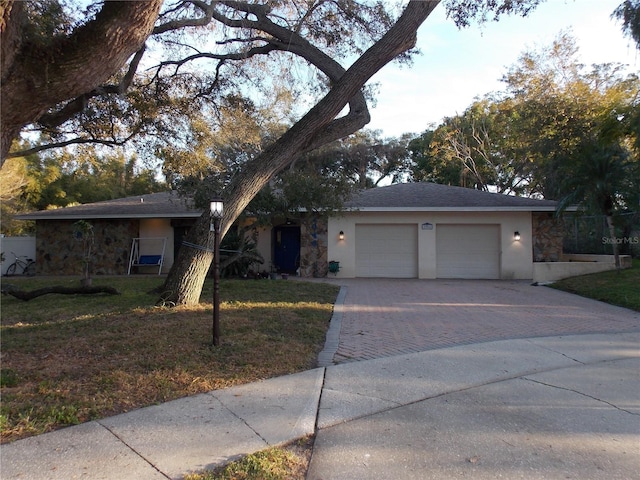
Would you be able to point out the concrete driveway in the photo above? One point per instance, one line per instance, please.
(386, 317)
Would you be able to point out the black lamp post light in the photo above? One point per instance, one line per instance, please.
(217, 209)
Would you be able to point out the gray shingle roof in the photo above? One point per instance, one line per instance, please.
(401, 196)
(430, 196)
(152, 205)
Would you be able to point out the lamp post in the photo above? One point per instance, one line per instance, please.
(216, 207)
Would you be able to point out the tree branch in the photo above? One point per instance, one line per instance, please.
(77, 105)
(220, 56)
(73, 141)
(282, 39)
(207, 9)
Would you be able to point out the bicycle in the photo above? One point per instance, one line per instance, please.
(28, 266)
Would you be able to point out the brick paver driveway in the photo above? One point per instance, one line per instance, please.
(383, 317)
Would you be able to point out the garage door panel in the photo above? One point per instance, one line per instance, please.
(388, 250)
(468, 251)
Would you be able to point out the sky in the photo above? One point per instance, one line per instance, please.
(457, 66)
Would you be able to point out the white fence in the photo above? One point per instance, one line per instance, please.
(16, 245)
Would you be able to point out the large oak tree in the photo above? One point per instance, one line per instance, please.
(75, 74)
(318, 127)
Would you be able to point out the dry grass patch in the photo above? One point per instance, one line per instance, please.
(278, 463)
(71, 359)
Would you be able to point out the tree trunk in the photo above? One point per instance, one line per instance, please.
(35, 79)
(308, 132)
(193, 261)
(614, 243)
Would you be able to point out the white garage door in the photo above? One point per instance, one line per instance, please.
(389, 251)
(468, 251)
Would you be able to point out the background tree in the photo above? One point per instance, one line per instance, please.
(364, 159)
(210, 151)
(605, 184)
(425, 167)
(528, 139)
(477, 149)
(13, 178)
(459, 152)
(562, 108)
(84, 176)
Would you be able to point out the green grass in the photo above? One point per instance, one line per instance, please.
(68, 359)
(620, 288)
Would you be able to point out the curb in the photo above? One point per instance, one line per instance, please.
(332, 341)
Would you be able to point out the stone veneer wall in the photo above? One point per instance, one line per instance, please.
(59, 253)
(547, 237)
(313, 247)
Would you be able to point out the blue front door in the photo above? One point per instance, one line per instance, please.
(286, 248)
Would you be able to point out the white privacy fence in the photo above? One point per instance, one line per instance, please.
(16, 245)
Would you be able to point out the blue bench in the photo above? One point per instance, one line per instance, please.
(153, 260)
(144, 261)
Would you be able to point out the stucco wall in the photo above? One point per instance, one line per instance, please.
(263, 245)
(20, 246)
(516, 257)
(155, 230)
(59, 253)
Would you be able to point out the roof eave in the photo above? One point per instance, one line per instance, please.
(105, 216)
(456, 209)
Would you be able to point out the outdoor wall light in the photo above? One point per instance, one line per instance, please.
(341, 235)
(516, 236)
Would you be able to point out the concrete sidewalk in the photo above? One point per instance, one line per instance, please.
(543, 408)
(555, 407)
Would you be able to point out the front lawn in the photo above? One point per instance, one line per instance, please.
(617, 288)
(68, 359)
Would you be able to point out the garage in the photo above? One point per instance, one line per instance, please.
(468, 251)
(386, 250)
(426, 230)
